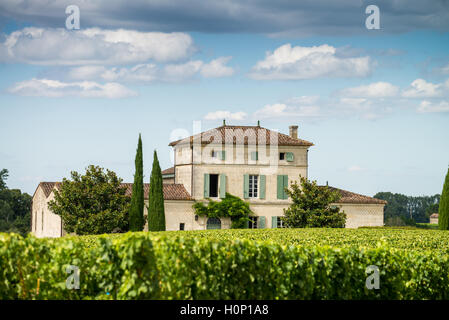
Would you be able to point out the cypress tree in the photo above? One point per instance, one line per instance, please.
(136, 219)
(443, 211)
(156, 211)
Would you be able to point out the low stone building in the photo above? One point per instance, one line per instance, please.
(434, 218)
(250, 162)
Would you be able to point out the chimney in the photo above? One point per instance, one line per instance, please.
(293, 131)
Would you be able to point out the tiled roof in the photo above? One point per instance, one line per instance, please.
(47, 187)
(238, 134)
(171, 191)
(169, 171)
(434, 215)
(351, 197)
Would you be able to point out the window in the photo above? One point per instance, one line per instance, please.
(42, 222)
(253, 186)
(181, 226)
(254, 155)
(280, 223)
(196, 217)
(282, 184)
(213, 187)
(252, 223)
(282, 156)
(221, 155)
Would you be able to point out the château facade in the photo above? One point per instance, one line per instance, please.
(251, 162)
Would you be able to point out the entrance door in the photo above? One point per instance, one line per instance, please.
(213, 223)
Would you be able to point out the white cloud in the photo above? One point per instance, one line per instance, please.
(222, 114)
(373, 90)
(429, 107)
(47, 46)
(179, 72)
(149, 72)
(281, 110)
(85, 72)
(217, 68)
(422, 89)
(294, 63)
(355, 168)
(55, 89)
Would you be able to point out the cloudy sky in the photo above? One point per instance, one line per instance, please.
(374, 101)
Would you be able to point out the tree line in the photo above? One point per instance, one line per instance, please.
(408, 210)
(15, 208)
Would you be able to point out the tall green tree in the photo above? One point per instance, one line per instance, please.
(443, 210)
(3, 177)
(136, 217)
(15, 208)
(92, 203)
(156, 211)
(312, 206)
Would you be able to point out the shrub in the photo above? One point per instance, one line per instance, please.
(231, 206)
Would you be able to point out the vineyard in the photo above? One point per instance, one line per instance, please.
(229, 264)
(398, 238)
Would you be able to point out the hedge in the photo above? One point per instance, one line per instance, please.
(142, 266)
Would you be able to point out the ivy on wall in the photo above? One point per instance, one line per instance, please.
(230, 206)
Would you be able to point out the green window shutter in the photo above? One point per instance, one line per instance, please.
(246, 186)
(285, 178)
(246, 224)
(223, 155)
(280, 187)
(222, 186)
(289, 156)
(262, 186)
(206, 185)
(261, 223)
(254, 155)
(274, 222)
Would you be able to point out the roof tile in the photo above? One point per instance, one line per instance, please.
(171, 191)
(252, 135)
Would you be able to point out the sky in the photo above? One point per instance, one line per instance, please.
(375, 102)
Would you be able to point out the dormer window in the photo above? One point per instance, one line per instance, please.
(221, 155)
(286, 156)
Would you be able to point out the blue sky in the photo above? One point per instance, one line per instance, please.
(374, 102)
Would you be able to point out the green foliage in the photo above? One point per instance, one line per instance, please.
(201, 265)
(15, 208)
(401, 209)
(443, 212)
(93, 203)
(3, 177)
(312, 207)
(404, 238)
(156, 210)
(136, 217)
(231, 206)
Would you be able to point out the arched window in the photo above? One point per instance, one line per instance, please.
(213, 223)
